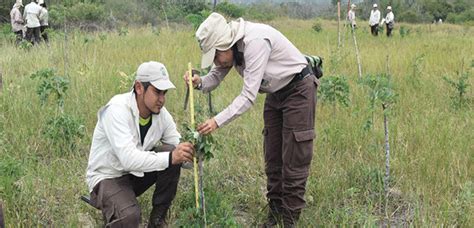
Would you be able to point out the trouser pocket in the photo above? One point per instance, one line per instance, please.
(302, 148)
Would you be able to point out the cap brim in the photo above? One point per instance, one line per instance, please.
(208, 58)
(163, 84)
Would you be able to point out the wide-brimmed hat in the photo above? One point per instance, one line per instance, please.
(156, 74)
(215, 33)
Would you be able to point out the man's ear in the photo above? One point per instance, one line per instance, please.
(138, 87)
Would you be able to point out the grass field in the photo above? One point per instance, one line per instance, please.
(432, 149)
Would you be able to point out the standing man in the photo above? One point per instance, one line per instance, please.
(374, 20)
(389, 21)
(123, 163)
(351, 16)
(17, 21)
(31, 16)
(44, 17)
(268, 63)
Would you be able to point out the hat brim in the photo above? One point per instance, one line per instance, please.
(163, 84)
(208, 58)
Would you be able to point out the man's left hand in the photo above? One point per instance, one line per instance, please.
(207, 127)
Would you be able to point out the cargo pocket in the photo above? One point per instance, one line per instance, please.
(303, 148)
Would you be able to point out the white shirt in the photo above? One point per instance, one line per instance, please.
(390, 17)
(351, 16)
(44, 17)
(374, 17)
(116, 147)
(31, 15)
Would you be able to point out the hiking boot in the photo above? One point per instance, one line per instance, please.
(290, 218)
(274, 215)
(158, 217)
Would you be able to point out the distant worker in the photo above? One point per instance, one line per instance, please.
(31, 16)
(374, 20)
(351, 16)
(17, 21)
(389, 21)
(44, 16)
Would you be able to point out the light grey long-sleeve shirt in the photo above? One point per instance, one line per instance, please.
(44, 17)
(16, 20)
(270, 63)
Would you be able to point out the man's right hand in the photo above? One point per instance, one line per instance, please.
(183, 153)
(196, 78)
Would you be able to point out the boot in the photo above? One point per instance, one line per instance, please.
(274, 215)
(158, 217)
(290, 218)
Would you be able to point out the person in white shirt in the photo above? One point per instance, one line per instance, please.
(351, 17)
(389, 21)
(17, 21)
(374, 20)
(31, 16)
(123, 163)
(44, 17)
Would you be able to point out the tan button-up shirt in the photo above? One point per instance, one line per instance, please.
(16, 20)
(270, 63)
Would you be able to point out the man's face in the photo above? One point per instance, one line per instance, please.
(224, 58)
(154, 99)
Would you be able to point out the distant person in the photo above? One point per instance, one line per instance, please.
(17, 21)
(31, 16)
(123, 163)
(374, 20)
(44, 17)
(440, 21)
(351, 17)
(389, 21)
(268, 63)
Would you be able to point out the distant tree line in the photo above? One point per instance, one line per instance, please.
(96, 14)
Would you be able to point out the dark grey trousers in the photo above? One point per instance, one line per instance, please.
(117, 197)
(288, 142)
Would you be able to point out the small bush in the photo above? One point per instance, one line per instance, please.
(230, 9)
(63, 131)
(317, 27)
(404, 31)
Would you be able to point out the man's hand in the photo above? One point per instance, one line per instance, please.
(183, 153)
(207, 127)
(196, 78)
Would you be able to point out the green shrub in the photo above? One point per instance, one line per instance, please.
(230, 9)
(317, 26)
(404, 31)
(87, 12)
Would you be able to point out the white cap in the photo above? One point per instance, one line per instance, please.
(213, 34)
(40, 2)
(156, 74)
(353, 6)
(389, 7)
(375, 5)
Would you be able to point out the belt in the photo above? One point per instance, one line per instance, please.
(298, 77)
(301, 75)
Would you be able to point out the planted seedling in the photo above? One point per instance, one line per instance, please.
(61, 129)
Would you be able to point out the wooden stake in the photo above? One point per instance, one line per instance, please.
(191, 108)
